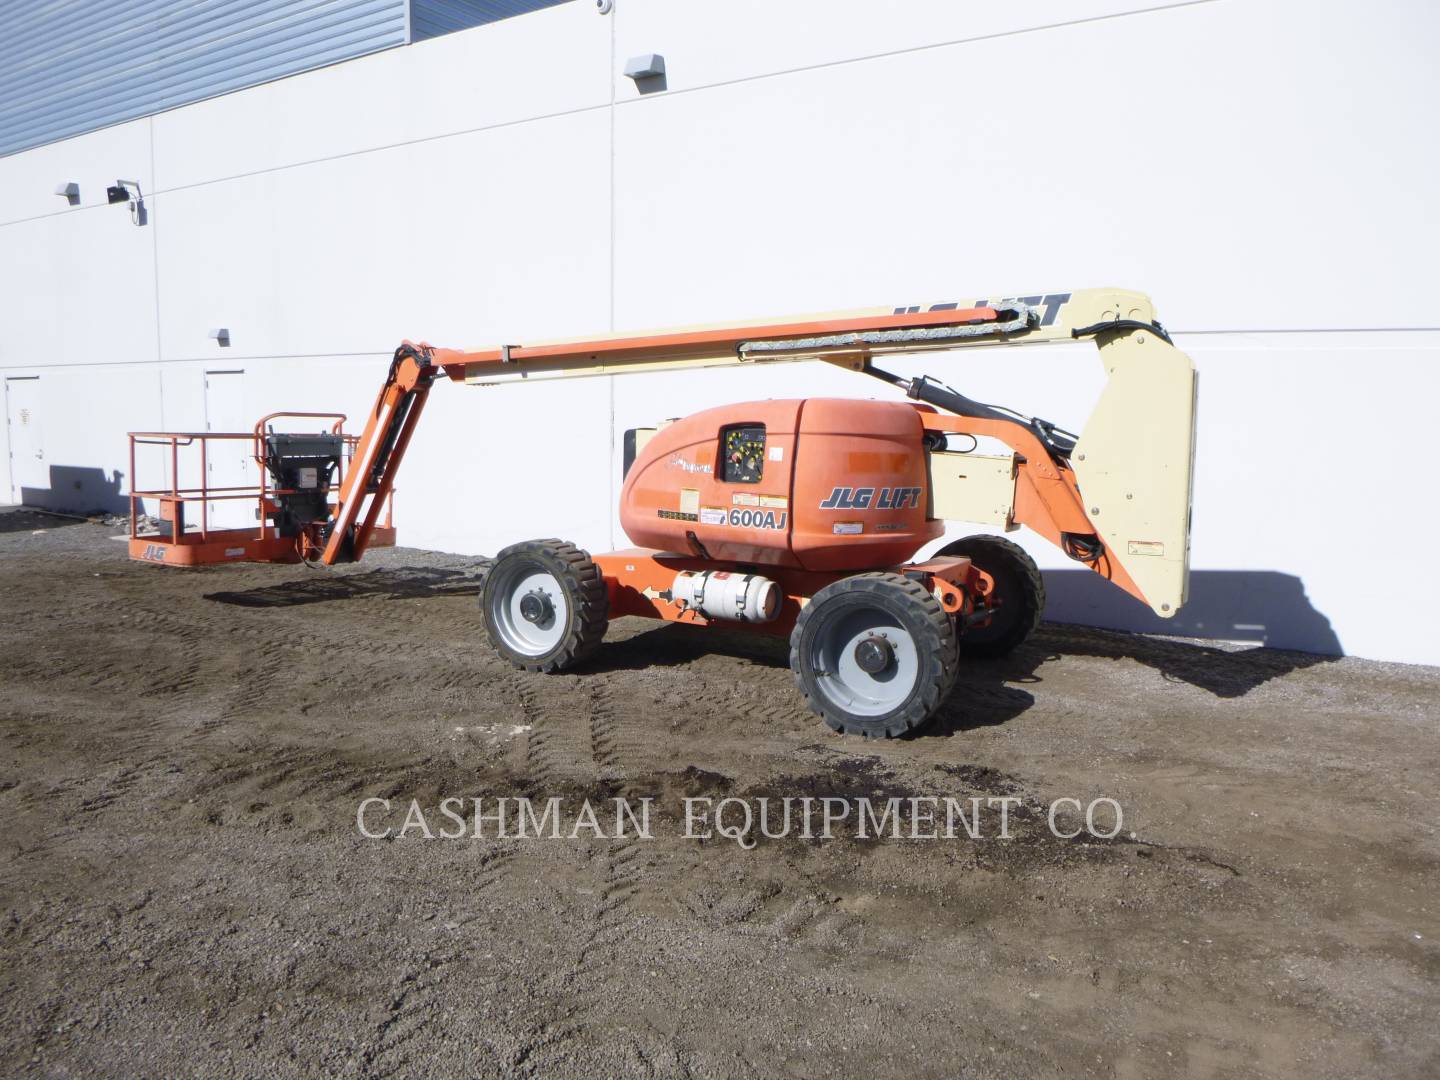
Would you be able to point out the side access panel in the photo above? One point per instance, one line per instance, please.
(977, 488)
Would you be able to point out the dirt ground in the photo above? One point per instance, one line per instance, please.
(185, 891)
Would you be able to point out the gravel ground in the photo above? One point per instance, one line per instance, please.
(185, 891)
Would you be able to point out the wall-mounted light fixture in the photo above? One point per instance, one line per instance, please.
(221, 335)
(648, 71)
(69, 191)
(647, 66)
(128, 191)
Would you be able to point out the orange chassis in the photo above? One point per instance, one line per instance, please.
(638, 581)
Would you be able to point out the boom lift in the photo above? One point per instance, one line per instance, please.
(802, 517)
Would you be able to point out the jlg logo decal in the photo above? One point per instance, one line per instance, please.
(865, 498)
(154, 552)
(1052, 304)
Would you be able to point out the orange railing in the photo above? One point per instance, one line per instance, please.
(260, 493)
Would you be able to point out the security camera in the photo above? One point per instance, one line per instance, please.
(604, 7)
(128, 191)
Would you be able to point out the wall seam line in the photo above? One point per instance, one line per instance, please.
(610, 478)
(155, 269)
(928, 47)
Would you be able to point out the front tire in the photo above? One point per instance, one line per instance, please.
(545, 605)
(873, 655)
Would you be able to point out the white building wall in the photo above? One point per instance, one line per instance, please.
(1258, 166)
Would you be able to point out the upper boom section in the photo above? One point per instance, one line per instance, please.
(846, 338)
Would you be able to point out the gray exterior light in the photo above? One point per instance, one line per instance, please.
(647, 66)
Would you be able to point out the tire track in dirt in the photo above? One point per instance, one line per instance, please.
(117, 785)
(408, 1013)
(605, 748)
(558, 750)
(616, 867)
(267, 655)
(486, 879)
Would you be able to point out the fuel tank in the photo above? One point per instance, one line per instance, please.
(815, 483)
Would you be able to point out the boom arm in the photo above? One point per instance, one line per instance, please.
(1117, 498)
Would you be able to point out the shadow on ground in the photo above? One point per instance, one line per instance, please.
(987, 692)
(1265, 607)
(22, 519)
(407, 583)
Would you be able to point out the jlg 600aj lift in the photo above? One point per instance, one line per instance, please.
(801, 517)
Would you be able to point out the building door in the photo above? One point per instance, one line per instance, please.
(29, 472)
(229, 462)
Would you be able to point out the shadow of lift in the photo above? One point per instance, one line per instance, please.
(22, 519)
(401, 583)
(80, 489)
(1262, 606)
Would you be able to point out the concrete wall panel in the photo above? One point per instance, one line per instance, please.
(548, 62)
(77, 288)
(93, 161)
(456, 240)
(1234, 177)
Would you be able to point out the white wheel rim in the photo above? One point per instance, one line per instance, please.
(839, 675)
(519, 633)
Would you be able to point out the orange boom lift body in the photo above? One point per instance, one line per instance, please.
(797, 518)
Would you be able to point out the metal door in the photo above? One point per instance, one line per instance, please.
(229, 462)
(29, 473)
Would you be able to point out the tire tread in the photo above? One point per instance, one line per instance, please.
(585, 587)
(937, 640)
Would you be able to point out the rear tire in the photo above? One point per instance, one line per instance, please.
(545, 605)
(1019, 595)
(873, 655)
